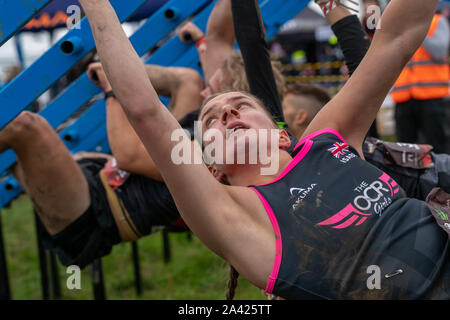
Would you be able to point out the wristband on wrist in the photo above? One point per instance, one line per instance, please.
(109, 94)
(200, 43)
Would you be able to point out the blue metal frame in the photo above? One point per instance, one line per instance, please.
(53, 65)
(187, 53)
(90, 129)
(174, 46)
(273, 15)
(82, 90)
(15, 14)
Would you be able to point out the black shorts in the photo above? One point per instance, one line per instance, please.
(94, 233)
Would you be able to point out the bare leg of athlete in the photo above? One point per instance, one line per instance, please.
(46, 170)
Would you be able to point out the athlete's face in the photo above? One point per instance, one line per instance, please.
(234, 112)
(232, 126)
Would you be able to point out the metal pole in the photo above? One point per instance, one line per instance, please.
(166, 246)
(97, 280)
(56, 285)
(189, 235)
(19, 50)
(43, 267)
(5, 292)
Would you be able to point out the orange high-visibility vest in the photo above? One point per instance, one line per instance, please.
(423, 77)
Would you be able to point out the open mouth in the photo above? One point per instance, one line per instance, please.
(234, 129)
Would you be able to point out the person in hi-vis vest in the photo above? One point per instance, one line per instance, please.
(422, 91)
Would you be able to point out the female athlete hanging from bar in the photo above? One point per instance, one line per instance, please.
(316, 226)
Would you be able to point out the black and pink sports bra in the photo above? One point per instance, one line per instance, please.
(335, 215)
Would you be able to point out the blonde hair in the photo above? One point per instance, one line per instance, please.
(235, 78)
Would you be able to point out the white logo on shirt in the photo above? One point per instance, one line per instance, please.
(300, 194)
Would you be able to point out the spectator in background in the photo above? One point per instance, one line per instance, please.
(301, 104)
(421, 93)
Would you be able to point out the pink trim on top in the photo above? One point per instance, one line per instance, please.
(318, 133)
(299, 157)
(279, 245)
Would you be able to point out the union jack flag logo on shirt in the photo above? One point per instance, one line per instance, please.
(339, 149)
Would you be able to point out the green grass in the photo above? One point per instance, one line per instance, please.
(193, 273)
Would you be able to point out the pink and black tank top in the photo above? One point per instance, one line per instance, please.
(338, 220)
